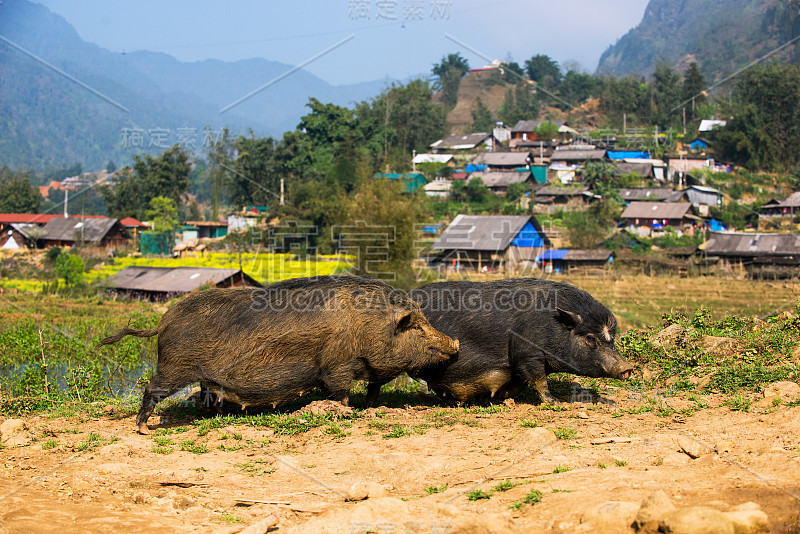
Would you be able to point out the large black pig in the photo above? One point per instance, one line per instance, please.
(514, 332)
(268, 346)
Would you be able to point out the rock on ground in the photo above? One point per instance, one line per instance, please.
(696, 520)
(12, 433)
(612, 513)
(653, 508)
(748, 521)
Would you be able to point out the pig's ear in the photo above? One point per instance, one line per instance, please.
(403, 320)
(570, 319)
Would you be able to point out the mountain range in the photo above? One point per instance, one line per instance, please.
(48, 118)
(720, 35)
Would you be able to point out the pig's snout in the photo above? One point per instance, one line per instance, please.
(456, 346)
(623, 371)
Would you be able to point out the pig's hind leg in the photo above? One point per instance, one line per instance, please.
(535, 374)
(157, 390)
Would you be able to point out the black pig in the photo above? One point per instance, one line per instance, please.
(268, 346)
(515, 331)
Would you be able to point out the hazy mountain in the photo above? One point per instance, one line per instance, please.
(721, 35)
(46, 119)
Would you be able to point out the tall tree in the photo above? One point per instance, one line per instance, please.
(449, 72)
(665, 95)
(693, 85)
(254, 178)
(17, 195)
(481, 117)
(543, 70)
(220, 159)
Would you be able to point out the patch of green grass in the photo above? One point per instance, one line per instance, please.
(565, 433)
(739, 403)
(561, 491)
(377, 424)
(430, 490)
(561, 469)
(621, 463)
(49, 444)
(528, 423)
(793, 403)
(398, 431)
(162, 441)
(553, 407)
(478, 494)
(170, 431)
(602, 465)
(90, 443)
(230, 448)
(334, 430)
(486, 410)
(282, 423)
(535, 496)
(193, 447)
(230, 517)
(506, 485)
(255, 468)
(158, 449)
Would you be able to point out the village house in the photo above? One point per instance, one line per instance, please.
(577, 154)
(465, 142)
(760, 254)
(574, 260)
(576, 195)
(15, 236)
(442, 159)
(493, 243)
(782, 208)
(412, 181)
(162, 283)
(439, 188)
(75, 231)
(503, 161)
(498, 182)
(657, 215)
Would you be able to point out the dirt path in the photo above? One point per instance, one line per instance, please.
(124, 481)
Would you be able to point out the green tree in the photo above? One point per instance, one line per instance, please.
(512, 72)
(449, 72)
(765, 130)
(254, 178)
(70, 268)
(130, 192)
(517, 191)
(577, 87)
(476, 191)
(481, 117)
(665, 92)
(163, 214)
(111, 166)
(543, 70)
(220, 161)
(693, 85)
(17, 195)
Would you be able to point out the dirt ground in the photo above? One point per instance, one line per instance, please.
(396, 456)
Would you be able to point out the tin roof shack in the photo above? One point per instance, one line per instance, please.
(464, 142)
(412, 181)
(781, 208)
(16, 236)
(578, 154)
(573, 195)
(491, 243)
(643, 168)
(761, 255)
(207, 229)
(439, 188)
(503, 161)
(162, 283)
(566, 261)
(72, 231)
(656, 215)
(498, 182)
(649, 194)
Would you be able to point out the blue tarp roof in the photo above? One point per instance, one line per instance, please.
(629, 155)
(528, 237)
(716, 226)
(550, 255)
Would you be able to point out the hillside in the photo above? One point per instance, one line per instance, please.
(473, 86)
(721, 35)
(47, 120)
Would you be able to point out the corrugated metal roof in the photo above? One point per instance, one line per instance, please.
(501, 179)
(656, 210)
(577, 155)
(483, 232)
(169, 279)
(555, 191)
(644, 168)
(432, 158)
(589, 255)
(461, 141)
(515, 159)
(75, 229)
(645, 193)
(745, 244)
(554, 254)
(792, 202)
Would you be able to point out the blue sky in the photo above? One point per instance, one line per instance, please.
(400, 47)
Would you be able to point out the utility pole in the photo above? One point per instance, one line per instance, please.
(66, 199)
(684, 119)
(413, 162)
(281, 201)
